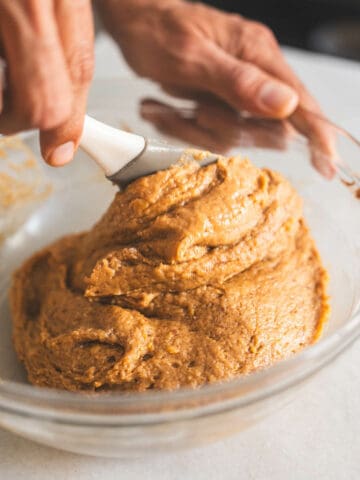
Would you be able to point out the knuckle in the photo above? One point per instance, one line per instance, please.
(81, 65)
(246, 83)
(236, 22)
(245, 79)
(263, 33)
(184, 42)
(187, 46)
(258, 42)
(186, 57)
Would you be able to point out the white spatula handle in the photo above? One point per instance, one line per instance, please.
(110, 147)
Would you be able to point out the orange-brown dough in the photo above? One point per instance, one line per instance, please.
(192, 275)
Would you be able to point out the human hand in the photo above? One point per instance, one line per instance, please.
(193, 50)
(47, 47)
(215, 126)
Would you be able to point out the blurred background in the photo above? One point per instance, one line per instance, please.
(326, 26)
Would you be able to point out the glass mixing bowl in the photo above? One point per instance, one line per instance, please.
(122, 425)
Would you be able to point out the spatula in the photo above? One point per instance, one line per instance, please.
(125, 156)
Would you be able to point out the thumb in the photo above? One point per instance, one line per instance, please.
(244, 86)
(58, 145)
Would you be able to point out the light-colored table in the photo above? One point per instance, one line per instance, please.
(315, 437)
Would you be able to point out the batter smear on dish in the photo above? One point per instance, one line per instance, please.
(193, 275)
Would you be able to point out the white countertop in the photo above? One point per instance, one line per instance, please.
(317, 436)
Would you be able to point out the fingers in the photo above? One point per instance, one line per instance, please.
(260, 47)
(245, 86)
(321, 138)
(214, 126)
(267, 55)
(48, 50)
(238, 131)
(58, 145)
(228, 126)
(38, 91)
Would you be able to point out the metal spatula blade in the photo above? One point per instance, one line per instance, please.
(126, 156)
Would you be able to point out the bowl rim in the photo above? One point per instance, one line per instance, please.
(119, 408)
(143, 407)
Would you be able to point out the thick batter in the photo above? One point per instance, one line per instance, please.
(192, 275)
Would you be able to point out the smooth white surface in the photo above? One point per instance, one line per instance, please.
(110, 147)
(315, 437)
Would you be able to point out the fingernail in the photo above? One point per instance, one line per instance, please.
(278, 98)
(62, 154)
